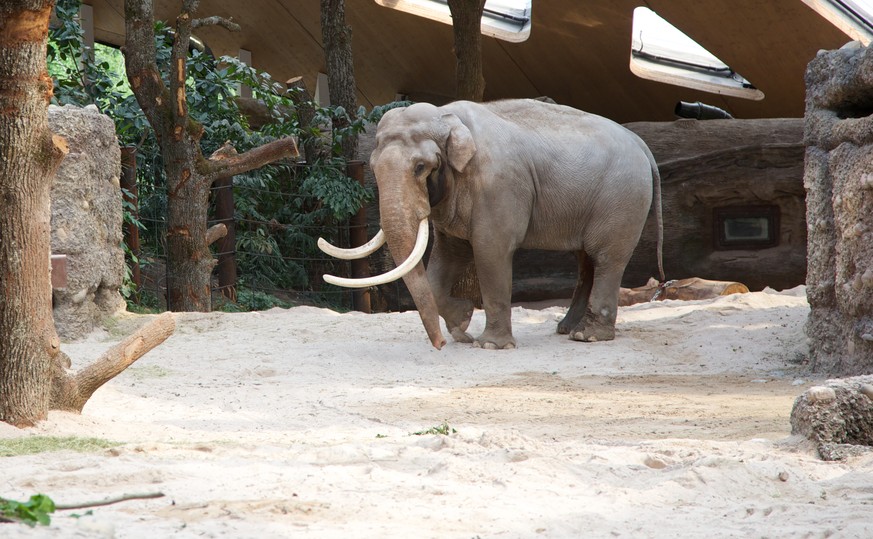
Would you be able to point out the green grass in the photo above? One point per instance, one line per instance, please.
(32, 445)
(443, 429)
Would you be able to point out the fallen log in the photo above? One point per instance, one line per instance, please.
(683, 289)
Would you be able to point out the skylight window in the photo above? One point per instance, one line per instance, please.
(508, 20)
(853, 17)
(661, 52)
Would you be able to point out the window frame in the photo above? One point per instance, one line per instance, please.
(497, 24)
(721, 214)
(689, 70)
(848, 18)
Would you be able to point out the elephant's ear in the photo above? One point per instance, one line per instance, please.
(460, 147)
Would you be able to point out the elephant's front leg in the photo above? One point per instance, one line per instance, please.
(448, 259)
(494, 269)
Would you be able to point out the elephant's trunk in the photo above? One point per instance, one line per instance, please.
(416, 281)
(401, 237)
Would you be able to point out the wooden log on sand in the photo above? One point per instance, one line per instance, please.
(684, 289)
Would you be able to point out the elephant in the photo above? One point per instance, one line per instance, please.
(498, 176)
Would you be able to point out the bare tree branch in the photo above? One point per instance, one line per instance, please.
(215, 233)
(108, 501)
(228, 24)
(71, 392)
(229, 164)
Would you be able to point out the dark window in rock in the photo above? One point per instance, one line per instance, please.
(746, 227)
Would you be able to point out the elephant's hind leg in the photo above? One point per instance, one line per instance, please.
(579, 303)
(598, 322)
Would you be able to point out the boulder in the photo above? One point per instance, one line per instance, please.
(837, 417)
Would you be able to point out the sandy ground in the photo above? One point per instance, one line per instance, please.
(301, 422)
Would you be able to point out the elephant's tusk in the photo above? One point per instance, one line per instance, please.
(353, 254)
(398, 272)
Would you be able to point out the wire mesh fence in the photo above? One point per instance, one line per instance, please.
(269, 256)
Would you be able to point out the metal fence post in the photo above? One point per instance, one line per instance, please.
(131, 196)
(223, 188)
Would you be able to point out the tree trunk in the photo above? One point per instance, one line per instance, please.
(337, 39)
(29, 156)
(33, 370)
(470, 85)
(466, 25)
(189, 174)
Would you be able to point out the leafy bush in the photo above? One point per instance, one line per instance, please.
(34, 511)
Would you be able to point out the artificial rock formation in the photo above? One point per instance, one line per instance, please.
(86, 220)
(836, 417)
(839, 183)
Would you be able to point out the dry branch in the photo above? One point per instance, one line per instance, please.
(230, 164)
(215, 233)
(71, 391)
(216, 21)
(109, 501)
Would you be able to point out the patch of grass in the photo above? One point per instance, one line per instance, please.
(443, 429)
(141, 372)
(32, 445)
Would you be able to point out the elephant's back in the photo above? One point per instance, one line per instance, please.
(535, 115)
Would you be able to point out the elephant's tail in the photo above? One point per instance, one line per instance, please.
(659, 217)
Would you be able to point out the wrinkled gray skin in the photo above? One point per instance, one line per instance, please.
(495, 177)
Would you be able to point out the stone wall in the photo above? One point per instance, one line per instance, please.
(839, 181)
(86, 220)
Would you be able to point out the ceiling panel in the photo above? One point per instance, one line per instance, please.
(578, 53)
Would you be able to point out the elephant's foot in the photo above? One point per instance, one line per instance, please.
(571, 321)
(490, 340)
(565, 326)
(457, 314)
(594, 333)
(461, 336)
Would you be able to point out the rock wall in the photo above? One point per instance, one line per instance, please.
(838, 133)
(86, 220)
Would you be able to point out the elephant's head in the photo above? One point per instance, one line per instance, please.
(414, 147)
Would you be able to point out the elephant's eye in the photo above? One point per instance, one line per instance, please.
(419, 169)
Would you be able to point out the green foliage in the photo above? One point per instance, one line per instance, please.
(34, 511)
(297, 203)
(83, 76)
(443, 429)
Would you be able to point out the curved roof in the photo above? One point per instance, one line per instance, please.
(578, 53)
